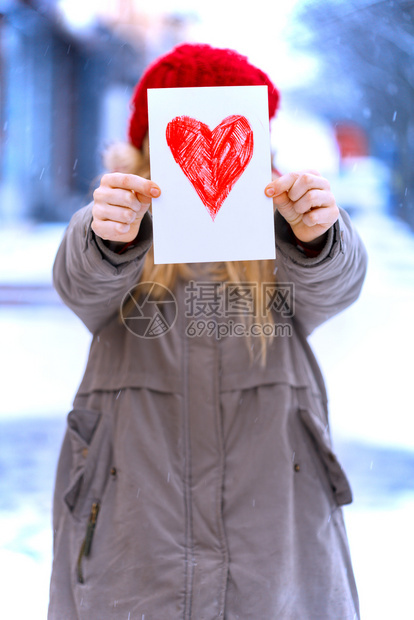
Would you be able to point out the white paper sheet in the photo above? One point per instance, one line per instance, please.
(185, 229)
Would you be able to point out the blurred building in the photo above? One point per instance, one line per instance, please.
(65, 86)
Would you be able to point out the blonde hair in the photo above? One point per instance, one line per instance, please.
(124, 157)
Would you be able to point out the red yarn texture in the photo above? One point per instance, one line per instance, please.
(195, 65)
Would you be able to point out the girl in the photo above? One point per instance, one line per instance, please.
(197, 479)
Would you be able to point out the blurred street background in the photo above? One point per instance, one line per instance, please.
(345, 69)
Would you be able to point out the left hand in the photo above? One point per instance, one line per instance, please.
(306, 202)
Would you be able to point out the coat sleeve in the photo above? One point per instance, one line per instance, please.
(326, 284)
(90, 278)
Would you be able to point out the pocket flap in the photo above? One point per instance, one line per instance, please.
(82, 424)
(91, 456)
(319, 433)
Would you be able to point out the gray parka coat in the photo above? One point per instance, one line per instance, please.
(193, 482)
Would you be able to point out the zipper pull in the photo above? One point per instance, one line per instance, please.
(91, 528)
(87, 542)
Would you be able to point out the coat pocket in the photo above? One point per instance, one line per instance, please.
(319, 437)
(90, 439)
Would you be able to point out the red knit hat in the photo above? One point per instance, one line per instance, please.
(194, 65)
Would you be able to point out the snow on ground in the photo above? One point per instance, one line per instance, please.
(27, 252)
(47, 352)
(364, 354)
(382, 548)
(29, 450)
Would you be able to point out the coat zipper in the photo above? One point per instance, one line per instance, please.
(87, 542)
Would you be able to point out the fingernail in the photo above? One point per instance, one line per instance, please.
(270, 191)
(123, 228)
(155, 192)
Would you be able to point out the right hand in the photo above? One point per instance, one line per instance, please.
(120, 203)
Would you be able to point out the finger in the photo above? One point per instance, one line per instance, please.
(306, 182)
(289, 213)
(112, 231)
(314, 198)
(281, 185)
(286, 181)
(142, 187)
(282, 201)
(117, 198)
(322, 216)
(113, 213)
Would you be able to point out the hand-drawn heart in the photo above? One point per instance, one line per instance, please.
(213, 160)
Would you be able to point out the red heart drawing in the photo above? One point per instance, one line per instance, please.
(211, 160)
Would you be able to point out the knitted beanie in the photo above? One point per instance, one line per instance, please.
(194, 65)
